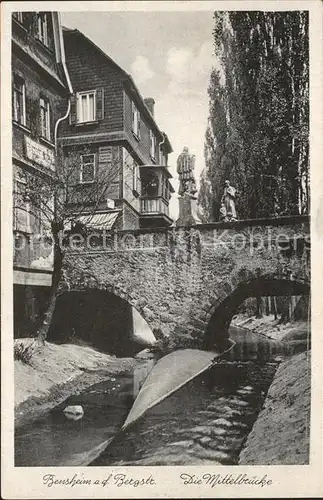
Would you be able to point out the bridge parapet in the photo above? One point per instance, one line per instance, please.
(261, 232)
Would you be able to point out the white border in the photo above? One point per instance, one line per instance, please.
(288, 481)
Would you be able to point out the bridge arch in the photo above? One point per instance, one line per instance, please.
(101, 318)
(225, 305)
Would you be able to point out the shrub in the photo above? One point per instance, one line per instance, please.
(24, 350)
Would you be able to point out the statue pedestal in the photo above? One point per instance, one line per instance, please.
(187, 211)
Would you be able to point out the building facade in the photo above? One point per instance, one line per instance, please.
(68, 95)
(114, 132)
(40, 94)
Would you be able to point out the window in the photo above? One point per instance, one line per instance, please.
(86, 106)
(46, 205)
(42, 27)
(21, 205)
(44, 118)
(19, 100)
(152, 145)
(150, 184)
(168, 191)
(150, 206)
(135, 121)
(18, 16)
(87, 172)
(135, 178)
(131, 173)
(23, 18)
(162, 157)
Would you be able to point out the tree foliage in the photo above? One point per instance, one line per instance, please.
(257, 134)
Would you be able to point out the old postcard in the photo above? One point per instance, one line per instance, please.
(161, 224)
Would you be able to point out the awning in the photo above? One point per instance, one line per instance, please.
(99, 220)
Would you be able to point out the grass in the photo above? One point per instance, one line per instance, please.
(24, 350)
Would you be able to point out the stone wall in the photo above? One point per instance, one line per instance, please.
(178, 278)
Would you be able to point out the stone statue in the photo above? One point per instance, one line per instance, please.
(228, 209)
(185, 170)
(223, 212)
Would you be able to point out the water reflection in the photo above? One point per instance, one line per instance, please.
(251, 346)
(205, 422)
(55, 440)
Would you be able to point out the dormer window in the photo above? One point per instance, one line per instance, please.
(152, 146)
(18, 16)
(42, 27)
(86, 106)
(23, 18)
(135, 121)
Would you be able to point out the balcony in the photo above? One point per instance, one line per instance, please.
(154, 212)
(155, 195)
(153, 205)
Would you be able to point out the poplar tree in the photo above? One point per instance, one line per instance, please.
(258, 131)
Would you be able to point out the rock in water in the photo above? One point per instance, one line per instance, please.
(145, 354)
(75, 412)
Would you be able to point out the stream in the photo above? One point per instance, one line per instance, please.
(205, 422)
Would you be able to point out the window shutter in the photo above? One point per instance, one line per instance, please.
(73, 116)
(100, 103)
(132, 116)
(51, 123)
(151, 142)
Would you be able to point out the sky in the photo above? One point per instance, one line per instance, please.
(170, 57)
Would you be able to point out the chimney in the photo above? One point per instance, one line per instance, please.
(150, 103)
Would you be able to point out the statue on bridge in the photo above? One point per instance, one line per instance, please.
(187, 189)
(228, 210)
(185, 170)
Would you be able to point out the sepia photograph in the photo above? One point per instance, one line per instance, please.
(161, 246)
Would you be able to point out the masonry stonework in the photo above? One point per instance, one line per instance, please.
(179, 278)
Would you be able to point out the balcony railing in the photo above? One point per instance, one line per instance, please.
(154, 206)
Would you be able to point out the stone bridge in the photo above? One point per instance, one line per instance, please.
(187, 282)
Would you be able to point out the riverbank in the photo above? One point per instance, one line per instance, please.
(280, 435)
(272, 328)
(55, 372)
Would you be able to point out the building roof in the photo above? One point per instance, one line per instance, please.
(127, 80)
